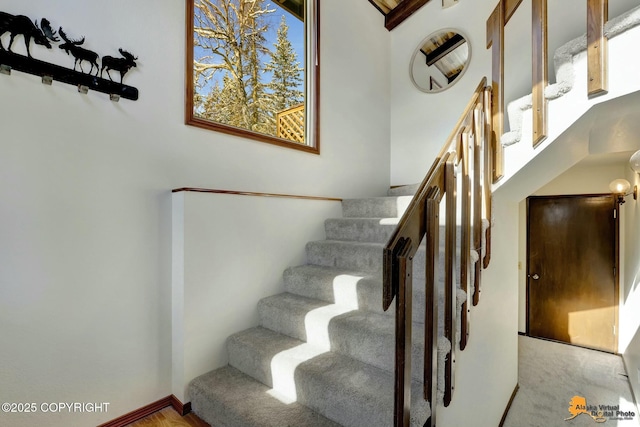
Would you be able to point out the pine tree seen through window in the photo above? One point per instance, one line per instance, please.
(251, 70)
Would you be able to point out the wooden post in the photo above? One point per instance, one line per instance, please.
(478, 122)
(402, 405)
(430, 380)
(488, 160)
(540, 69)
(465, 232)
(449, 278)
(597, 47)
(495, 40)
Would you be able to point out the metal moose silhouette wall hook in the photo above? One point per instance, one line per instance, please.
(20, 24)
(118, 64)
(79, 53)
(44, 35)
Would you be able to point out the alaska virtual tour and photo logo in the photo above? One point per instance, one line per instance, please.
(599, 413)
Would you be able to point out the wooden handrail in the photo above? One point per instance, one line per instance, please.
(467, 141)
(251, 193)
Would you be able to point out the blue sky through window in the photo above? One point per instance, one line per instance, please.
(295, 34)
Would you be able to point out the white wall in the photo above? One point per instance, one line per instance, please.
(629, 344)
(421, 122)
(85, 223)
(230, 260)
(487, 370)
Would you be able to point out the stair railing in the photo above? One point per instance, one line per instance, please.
(469, 145)
(597, 61)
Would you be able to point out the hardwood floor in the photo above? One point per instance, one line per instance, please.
(168, 417)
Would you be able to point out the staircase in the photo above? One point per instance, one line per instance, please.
(324, 351)
(323, 354)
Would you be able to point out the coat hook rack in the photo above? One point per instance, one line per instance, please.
(10, 61)
(44, 35)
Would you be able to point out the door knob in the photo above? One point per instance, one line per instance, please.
(535, 277)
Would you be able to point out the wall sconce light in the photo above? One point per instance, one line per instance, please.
(621, 187)
(634, 161)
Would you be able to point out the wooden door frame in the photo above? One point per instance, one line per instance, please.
(616, 278)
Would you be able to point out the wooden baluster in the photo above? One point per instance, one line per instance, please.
(539, 72)
(495, 40)
(449, 277)
(478, 120)
(402, 404)
(488, 161)
(430, 380)
(597, 47)
(465, 232)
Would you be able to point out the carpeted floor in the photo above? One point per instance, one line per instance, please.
(554, 379)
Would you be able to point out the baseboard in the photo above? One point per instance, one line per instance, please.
(633, 394)
(138, 414)
(506, 410)
(181, 408)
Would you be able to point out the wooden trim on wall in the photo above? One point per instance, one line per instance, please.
(377, 7)
(401, 12)
(506, 410)
(140, 413)
(251, 193)
(181, 408)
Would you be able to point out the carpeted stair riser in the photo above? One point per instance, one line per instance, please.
(405, 190)
(353, 383)
(226, 397)
(365, 336)
(375, 207)
(364, 257)
(324, 283)
(356, 396)
(355, 289)
(374, 230)
(327, 284)
(343, 389)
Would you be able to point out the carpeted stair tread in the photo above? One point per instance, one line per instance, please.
(354, 394)
(376, 230)
(358, 256)
(365, 336)
(335, 285)
(365, 257)
(326, 343)
(227, 397)
(375, 207)
(345, 287)
(403, 190)
(343, 389)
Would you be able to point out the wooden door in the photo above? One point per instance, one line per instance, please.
(572, 291)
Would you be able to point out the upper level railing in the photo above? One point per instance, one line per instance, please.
(467, 154)
(597, 47)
